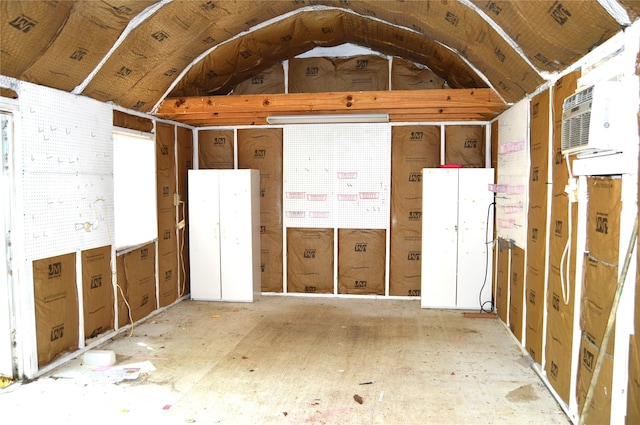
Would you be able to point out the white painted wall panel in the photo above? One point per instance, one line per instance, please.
(513, 174)
(66, 134)
(67, 164)
(7, 292)
(337, 175)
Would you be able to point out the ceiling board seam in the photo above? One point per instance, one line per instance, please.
(133, 24)
(150, 117)
(616, 10)
(307, 9)
(497, 28)
(207, 52)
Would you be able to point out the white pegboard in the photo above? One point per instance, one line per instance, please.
(65, 133)
(67, 172)
(513, 174)
(308, 169)
(363, 172)
(337, 176)
(65, 214)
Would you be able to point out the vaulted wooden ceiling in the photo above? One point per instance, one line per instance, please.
(137, 54)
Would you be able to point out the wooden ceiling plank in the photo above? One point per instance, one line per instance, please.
(318, 101)
(446, 104)
(432, 110)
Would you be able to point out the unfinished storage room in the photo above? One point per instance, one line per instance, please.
(320, 211)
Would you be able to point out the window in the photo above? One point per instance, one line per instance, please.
(134, 175)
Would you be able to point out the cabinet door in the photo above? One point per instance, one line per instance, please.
(237, 204)
(439, 237)
(204, 236)
(474, 202)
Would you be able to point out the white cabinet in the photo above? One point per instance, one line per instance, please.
(224, 234)
(456, 259)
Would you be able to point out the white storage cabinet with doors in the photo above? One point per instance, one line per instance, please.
(456, 235)
(224, 234)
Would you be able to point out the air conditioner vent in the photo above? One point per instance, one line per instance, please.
(592, 119)
(575, 131)
(578, 98)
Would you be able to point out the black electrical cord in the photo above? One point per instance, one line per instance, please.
(486, 266)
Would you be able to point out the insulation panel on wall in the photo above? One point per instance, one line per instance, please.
(97, 291)
(560, 291)
(270, 80)
(503, 280)
(184, 161)
(56, 306)
(261, 149)
(413, 148)
(516, 292)
(166, 188)
(323, 74)
(599, 286)
(138, 268)
(537, 224)
(361, 261)
(310, 260)
(215, 149)
(465, 145)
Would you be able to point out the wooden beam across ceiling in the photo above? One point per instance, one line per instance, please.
(400, 105)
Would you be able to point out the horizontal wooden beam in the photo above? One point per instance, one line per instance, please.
(249, 119)
(443, 113)
(410, 105)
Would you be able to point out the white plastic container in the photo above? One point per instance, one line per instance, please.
(99, 358)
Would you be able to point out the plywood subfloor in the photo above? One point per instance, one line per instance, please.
(296, 360)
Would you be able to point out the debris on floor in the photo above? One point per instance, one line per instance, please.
(116, 374)
(99, 358)
(522, 394)
(5, 382)
(358, 399)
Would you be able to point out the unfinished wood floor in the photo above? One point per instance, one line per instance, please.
(297, 360)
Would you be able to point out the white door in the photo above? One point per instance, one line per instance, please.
(237, 203)
(439, 237)
(6, 291)
(474, 264)
(204, 235)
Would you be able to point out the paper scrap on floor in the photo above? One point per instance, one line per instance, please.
(115, 374)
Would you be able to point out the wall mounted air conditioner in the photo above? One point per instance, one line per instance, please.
(593, 119)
